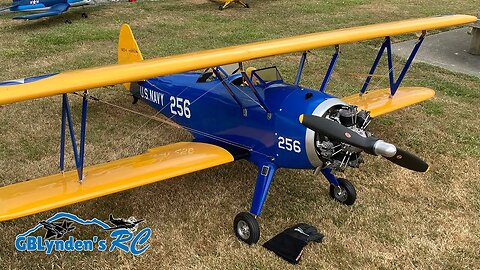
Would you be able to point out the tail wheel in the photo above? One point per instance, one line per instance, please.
(246, 228)
(345, 192)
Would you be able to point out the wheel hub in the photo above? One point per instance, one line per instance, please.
(243, 230)
(340, 194)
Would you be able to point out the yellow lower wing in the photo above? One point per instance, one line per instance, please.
(379, 102)
(157, 164)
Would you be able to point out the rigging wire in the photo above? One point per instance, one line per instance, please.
(152, 117)
(198, 131)
(211, 136)
(373, 86)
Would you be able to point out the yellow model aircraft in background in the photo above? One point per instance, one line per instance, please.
(232, 115)
(227, 3)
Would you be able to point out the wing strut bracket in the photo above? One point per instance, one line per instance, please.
(394, 84)
(67, 117)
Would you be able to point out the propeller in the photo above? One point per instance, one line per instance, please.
(370, 145)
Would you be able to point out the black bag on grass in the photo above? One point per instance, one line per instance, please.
(289, 244)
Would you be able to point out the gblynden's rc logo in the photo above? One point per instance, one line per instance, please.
(123, 235)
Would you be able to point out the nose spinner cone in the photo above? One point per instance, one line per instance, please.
(384, 149)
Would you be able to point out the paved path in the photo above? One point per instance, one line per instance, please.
(447, 50)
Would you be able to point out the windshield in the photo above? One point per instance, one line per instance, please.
(266, 75)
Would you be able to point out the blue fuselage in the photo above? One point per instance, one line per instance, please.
(212, 115)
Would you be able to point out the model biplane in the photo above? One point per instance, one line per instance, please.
(227, 3)
(44, 8)
(121, 223)
(232, 114)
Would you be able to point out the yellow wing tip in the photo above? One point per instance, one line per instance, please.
(379, 102)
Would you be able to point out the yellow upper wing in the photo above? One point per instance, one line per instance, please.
(157, 164)
(72, 81)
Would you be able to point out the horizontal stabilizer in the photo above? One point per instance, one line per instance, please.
(379, 102)
(157, 164)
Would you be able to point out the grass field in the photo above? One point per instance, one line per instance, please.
(401, 219)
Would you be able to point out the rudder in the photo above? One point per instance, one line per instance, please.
(128, 51)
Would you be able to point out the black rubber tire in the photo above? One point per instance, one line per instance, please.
(350, 194)
(84, 15)
(247, 5)
(251, 230)
(67, 21)
(220, 8)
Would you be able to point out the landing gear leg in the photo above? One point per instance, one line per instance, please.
(341, 189)
(224, 6)
(245, 225)
(243, 4)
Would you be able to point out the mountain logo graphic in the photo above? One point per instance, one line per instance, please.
(123, 235)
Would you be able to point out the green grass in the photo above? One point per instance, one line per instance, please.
(401, 219)
(433, 108)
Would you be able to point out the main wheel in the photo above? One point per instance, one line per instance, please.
(246, 228)
(67, 21)
(84, 15)
(345, 192)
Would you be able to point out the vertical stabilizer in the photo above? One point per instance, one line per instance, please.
(128, 51)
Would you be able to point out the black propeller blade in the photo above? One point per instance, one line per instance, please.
(370, 145)
(337, 131)
(409, 161)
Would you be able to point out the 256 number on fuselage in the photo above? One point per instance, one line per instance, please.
(289, 144)
(180, 106)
